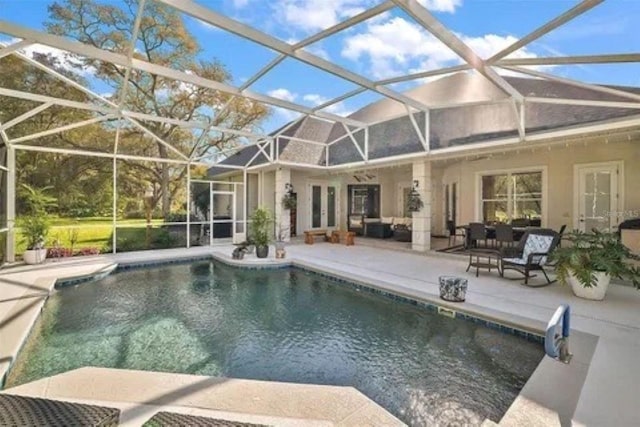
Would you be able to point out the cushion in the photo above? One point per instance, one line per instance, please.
(355, 221)
(518, 261)
(386, 220)
(537, 243)
(370, 220)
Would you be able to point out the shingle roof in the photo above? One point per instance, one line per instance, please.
(449, 126)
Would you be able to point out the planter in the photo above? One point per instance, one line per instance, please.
(280, 251)
(262, 251)
(34, 256)
(453, 288)
(596, 293)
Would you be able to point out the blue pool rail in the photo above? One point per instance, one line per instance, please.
(556, 343)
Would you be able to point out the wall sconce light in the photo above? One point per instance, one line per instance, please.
(415, 183)
(288, 188)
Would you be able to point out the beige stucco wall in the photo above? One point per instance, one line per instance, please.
(559, 162)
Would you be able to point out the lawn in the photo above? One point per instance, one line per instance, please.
(95, 232)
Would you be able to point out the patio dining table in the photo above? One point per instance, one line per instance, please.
(518, 232)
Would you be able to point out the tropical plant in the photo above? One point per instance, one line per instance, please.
(260, 231)
(591, 253)
(34, 224)
(414, 202)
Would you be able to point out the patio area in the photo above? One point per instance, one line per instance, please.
(595, 389)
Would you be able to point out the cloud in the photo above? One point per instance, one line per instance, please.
(338, 108)
(312, 15)
(448, 6)
(239, 4)
(284, 94)
(397, 46)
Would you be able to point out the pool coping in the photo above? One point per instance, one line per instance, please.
(545, 373)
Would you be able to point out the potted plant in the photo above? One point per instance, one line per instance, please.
(261, 231)
(34, 223)
(283, 233)
(289, 199)
(591, 260)
(414, 202)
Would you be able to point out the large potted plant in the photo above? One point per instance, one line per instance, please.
(591, 260)
(34, 222)
(260, 231)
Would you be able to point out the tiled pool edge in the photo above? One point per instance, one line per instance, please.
(433, 305)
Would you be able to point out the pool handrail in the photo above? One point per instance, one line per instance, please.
(556, 345)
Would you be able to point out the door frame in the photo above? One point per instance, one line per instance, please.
(324, 185)
(619, 208)
(212, 194)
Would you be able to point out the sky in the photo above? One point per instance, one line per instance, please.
(391, 44)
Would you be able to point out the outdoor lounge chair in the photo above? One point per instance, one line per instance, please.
(33, 411)
(530, 254)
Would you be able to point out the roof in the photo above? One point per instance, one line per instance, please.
(391, 132)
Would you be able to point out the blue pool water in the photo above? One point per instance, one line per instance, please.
(283, 325)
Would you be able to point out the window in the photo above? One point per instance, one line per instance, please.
(359, 201)
(510, 196)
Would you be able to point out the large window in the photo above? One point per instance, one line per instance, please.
(509, 196)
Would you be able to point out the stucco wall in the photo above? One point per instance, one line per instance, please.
(559, 162)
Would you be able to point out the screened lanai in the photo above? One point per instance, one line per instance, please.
(134, 112)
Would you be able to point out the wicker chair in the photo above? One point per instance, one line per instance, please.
(531, 254)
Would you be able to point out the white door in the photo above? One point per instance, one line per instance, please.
(323, 203)
(597, 196)
(222, 215)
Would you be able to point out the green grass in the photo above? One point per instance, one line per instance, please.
(92, 232)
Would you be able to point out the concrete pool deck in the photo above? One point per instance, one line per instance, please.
(597, 388)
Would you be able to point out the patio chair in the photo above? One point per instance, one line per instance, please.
(477, 232)
(504, 235)
(453, 232)
(561, 233)
(530, 254)
(356, 224)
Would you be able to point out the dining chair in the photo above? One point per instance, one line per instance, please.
(453, 232)
(477, 232)
(504, 235)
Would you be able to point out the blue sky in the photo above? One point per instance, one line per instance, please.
(393, 44)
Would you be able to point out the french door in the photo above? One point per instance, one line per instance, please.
(323, 202)
(596, 189)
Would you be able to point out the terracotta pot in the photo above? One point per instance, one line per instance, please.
(596, 293)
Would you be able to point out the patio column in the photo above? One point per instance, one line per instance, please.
(421, 226)
(10, 249)
(282, 215)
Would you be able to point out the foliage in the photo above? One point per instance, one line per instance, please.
(594, 252)
(260, 230)
(59, 252)
(164, 40)
(35, 230)
(34, 224)
(289, 201)
(414, 203)
(89, 251)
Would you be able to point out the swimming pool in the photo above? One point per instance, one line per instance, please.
(283, 325)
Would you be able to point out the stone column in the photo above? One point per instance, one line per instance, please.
(10, 253)
(282, 215)
(421, 227)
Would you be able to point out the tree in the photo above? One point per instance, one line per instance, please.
(162, 39)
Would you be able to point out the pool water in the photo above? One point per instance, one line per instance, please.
(283, 325)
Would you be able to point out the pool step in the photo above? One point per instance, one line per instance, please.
(141, 394)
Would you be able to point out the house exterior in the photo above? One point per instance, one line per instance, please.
(569, 155)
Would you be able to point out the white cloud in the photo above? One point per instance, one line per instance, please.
(316, 15)
(397, 46)
(284, 94)
(441, 5)
(338, 108)
(313, 15)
